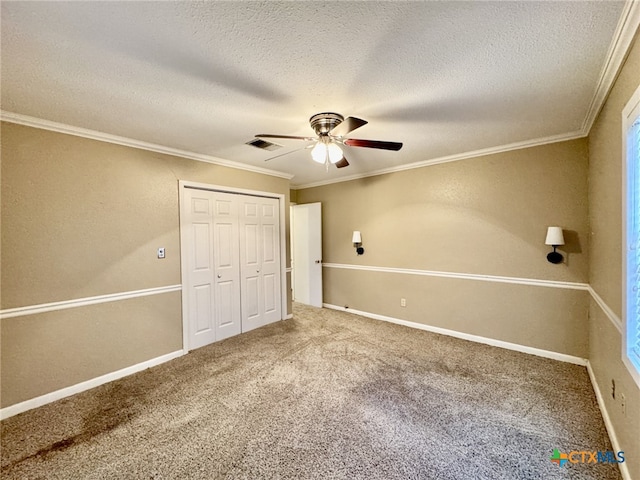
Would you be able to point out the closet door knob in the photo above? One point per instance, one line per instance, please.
(219, 276)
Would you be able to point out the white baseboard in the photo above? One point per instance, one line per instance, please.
(624, 469)
(12, 410)
(467, 336)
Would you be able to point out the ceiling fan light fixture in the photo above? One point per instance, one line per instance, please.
(331, 130)
(335, 153)
(319, 153)
(326, 151)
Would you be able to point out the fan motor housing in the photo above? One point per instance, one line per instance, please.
(323, 123)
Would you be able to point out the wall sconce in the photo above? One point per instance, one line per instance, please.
(554, 238)
(357, 242)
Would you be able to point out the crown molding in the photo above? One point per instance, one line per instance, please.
(626, 30)
(624, 34)
(618, 50)
(130, 142)
(453, 158)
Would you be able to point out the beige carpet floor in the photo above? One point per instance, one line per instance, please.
(324, 395)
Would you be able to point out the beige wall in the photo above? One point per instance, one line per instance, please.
(82, 218)
(522, 314)
(485, 216)
(605, 215)
(45, 352)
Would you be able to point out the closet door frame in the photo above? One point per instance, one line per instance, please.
(183, 185)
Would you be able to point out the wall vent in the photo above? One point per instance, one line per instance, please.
(263, 145)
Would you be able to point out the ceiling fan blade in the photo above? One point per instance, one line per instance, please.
(354, 142)
(349, 124)
(286, 137)
(287, 153)
(342, 163)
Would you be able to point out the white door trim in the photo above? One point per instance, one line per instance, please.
(182, 185)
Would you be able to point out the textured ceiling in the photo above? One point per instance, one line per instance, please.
(444, 78)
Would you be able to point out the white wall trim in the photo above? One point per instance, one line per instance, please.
(625, 32)
(615, 320)
(624, 469)
(130, 142)
(453, 158)
(467, 336)
(465, 276)
(83, 386)
(83, 302)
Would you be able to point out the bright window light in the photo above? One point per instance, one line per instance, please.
(631, 247)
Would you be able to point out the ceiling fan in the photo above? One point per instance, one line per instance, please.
(331, 129)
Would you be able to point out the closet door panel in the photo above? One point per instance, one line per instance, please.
(250, 261)
(260, 242)
(271, 299)
(199, 263)
(251, 299)
(270, 253)
(226, 265)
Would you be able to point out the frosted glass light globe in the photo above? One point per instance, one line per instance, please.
(319, 153)
(335, 153)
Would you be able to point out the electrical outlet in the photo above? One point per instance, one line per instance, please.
(403, 302)
(623, 403)
(161, 252)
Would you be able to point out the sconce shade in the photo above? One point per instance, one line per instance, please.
(554, 236)
(357, 238)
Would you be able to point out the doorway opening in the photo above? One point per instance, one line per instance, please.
(306, 253)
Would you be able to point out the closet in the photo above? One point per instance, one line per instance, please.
(231, 263)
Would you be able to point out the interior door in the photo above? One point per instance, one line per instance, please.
(260, 261)
(199, 263)
(306, 223)
(226, 255)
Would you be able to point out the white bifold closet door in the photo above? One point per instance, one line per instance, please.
(259, 261)
(233, 264)
(226, 266)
